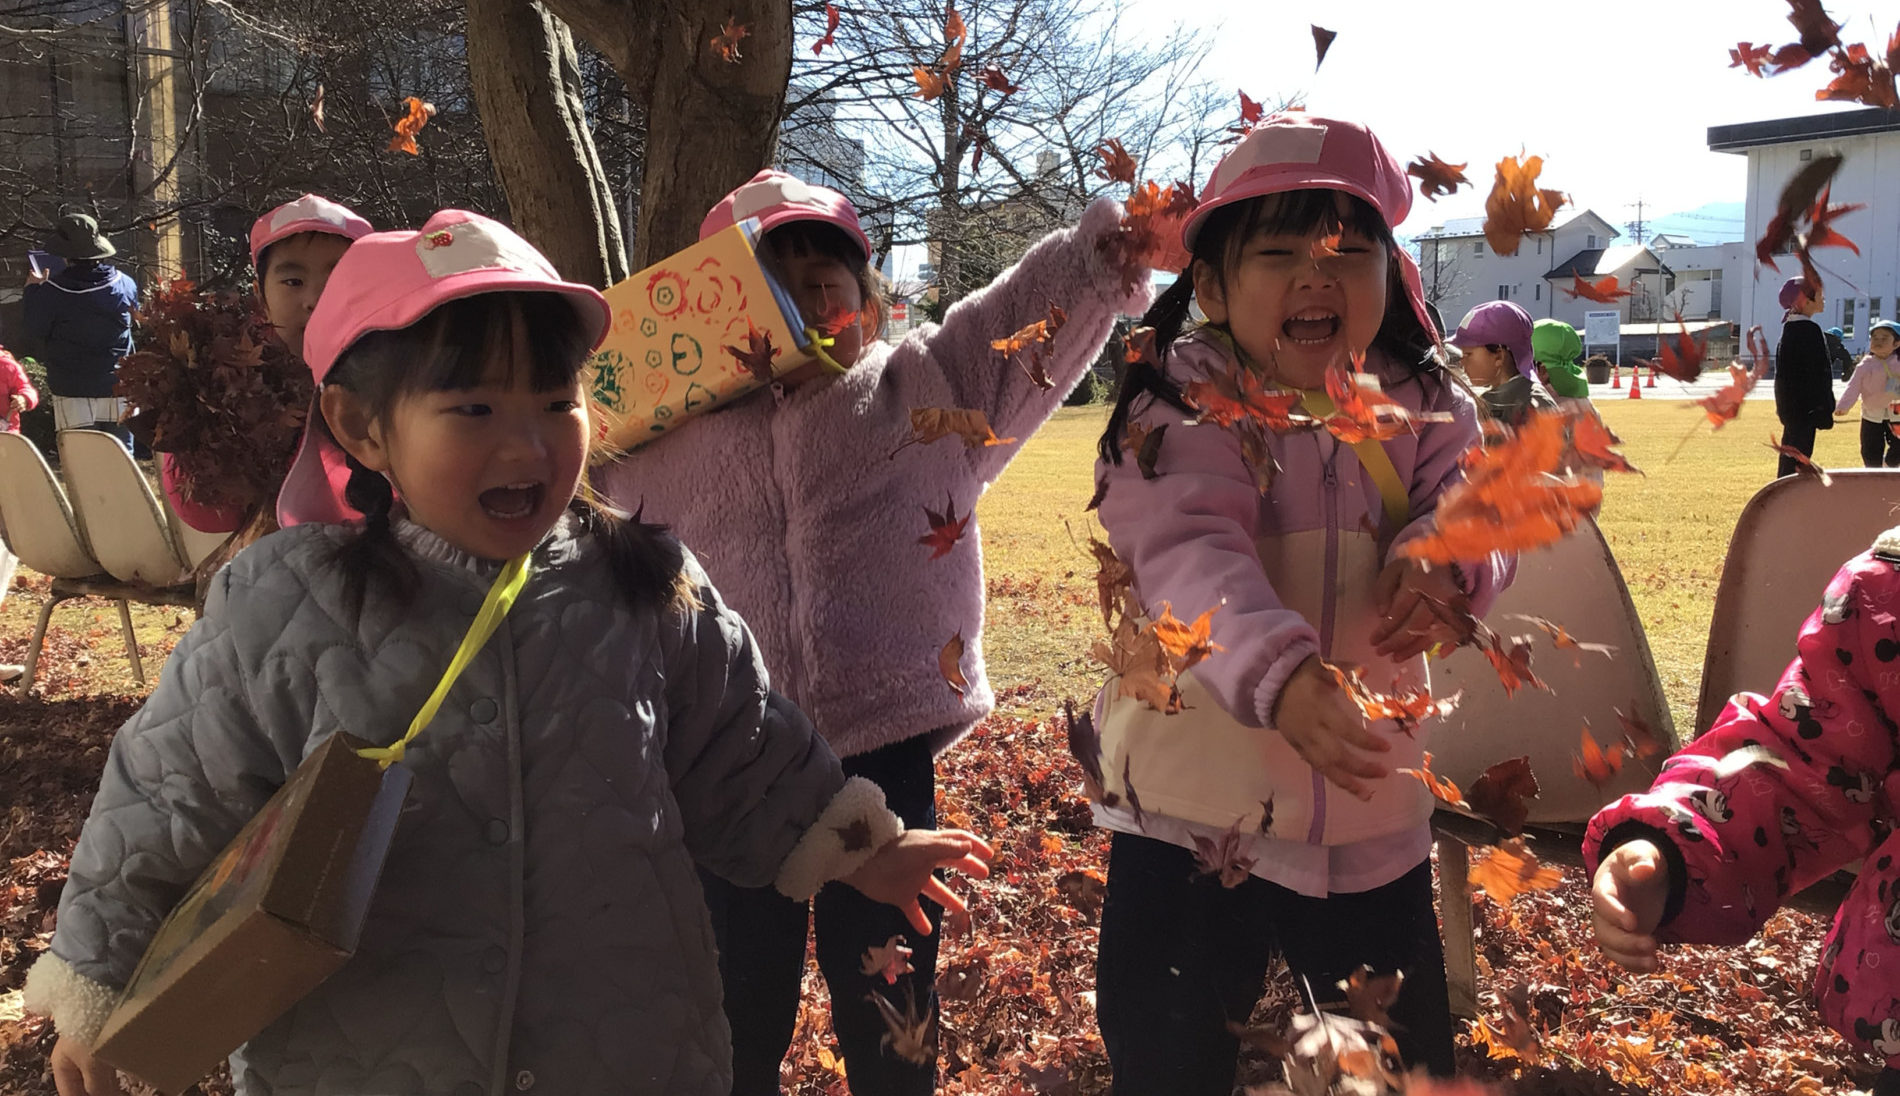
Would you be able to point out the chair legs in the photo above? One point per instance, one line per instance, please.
(131, 642)
(1454, 908)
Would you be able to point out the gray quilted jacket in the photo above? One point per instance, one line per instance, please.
(539, 925)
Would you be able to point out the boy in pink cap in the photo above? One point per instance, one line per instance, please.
(538, 923)
(293, 248)
(1804, 379)
(1295, 539)
(1495, 338)
(811, 528)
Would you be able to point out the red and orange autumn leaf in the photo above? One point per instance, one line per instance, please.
(1186, 644)
(1442, 789)
(1562, 639)
(946, 529)
(1804, 464)
(929, 84)
(1596, 764)
(1510, 870)
(831, 30)
(890, 962)
(1596, 445)
(950, 664)
(726, 42)
(416, 114)
(1117, 165)
(1517, 205)
(1512, 498)
(1322, 42)
(1502, 794)
(1602, 291)
(1407, 707)
(994, 79)
(1221, 857)
(758, 354)
(1436, 177)
(933, 424)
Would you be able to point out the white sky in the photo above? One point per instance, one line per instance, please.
(1616, 95)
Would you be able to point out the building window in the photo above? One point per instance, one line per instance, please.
(1806, 155)
(1873, 309)
(1591, 240)
(1537, 292)
(1477, 247)
(1715, 294)
(1504, 293)
(1847, 316)
(1540, 245)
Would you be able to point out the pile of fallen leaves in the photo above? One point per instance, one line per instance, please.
(213, 386)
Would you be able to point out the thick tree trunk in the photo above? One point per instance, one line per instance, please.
(711, 124)
(527, 86)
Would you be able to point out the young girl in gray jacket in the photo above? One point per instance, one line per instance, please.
(539, 923)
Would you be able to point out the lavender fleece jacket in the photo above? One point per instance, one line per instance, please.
(809, 525)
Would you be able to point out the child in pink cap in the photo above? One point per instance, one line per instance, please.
(1804, 379)
(1293, 541)
(538, 924)
(811, 528)
(1495, 338)
(293, 248)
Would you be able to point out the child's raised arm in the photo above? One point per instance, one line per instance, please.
(1069, 268)
(1851, 396)
(1781, 791)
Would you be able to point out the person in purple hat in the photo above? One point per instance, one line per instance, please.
(1495, 339)
(1804, 385)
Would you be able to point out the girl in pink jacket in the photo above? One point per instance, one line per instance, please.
(1782, 791)
(17, 394)
(1295, 537)
(796, 505)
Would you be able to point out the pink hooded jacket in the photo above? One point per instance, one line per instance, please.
(808, 522)
(14, 382)
(1292, 571)
(1814, 791)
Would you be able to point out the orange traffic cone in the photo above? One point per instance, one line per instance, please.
(1652, 378)
(1616, 375)
(1636, 390)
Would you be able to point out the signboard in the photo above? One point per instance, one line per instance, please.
(900, 312)
(1602, 328)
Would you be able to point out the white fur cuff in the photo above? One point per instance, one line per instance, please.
(856, 824)
(77, 1005)
(1888, 544)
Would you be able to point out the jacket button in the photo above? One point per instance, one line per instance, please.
(496, 831)
(482, 711)
(524, 1081)
(493, 960)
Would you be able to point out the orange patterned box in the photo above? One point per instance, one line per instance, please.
(666, 358)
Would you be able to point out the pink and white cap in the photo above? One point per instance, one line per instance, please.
(776, 198)
(389, 280)
(310, 213)
(1300, 151)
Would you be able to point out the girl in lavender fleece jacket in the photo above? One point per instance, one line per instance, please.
(793, 502)
(1295, 537)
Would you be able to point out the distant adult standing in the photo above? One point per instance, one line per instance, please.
(1838, 355)
(80, 323)
(1804, 386)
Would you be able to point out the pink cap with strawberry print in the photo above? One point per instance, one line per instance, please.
(389, 280)
(310, 213)
(776, 198)
(1299, 151)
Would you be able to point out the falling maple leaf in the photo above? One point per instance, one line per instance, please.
(1265, 826)
(1751, 57)
(950, 662)
(416, 114)
(1239, 395)
(1596, 764)
(1726, 403)
(1804, 464)
(1406, 707)
(1513, 497)
(933, 424)
(954, 35)
(1128, 791)
(316, 110)
(1510, 658)
(1145, 444)
(1221, 857)
(1821, 218)
(1145, 672)
(1117, 165)
(913, 1040)
(1186, 644)
(1322, 41)
(1114, 581)
(1517, 205)
(1681, 357)
(890, 962)
(1797, 201)
(1032, 345)
(1860, 77)
(758, 354)
(1363, 412)
(994, 79)
(1085, 745)
(831, 30)
(1250, 115)
(1325, 247)
(1639, 735)
(1604, 291)
(945, 529)
(929, 84)
(1436, 177)
(726, 42)
(1563, 640)
(1369, 994)
(1442, 789)
(1819, 32)
(1595, 444)
(1502, 794)
(1510, 870)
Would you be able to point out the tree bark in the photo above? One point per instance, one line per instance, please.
(526, 79)
(711, 123)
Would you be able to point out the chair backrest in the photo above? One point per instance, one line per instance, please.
(41, 526)
(1577, 585)
(124, 523)
(194, 545)
(1791, 538)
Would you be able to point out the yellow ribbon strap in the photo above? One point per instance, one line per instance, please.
(1374, 459)
(819, 341)
(501, 598)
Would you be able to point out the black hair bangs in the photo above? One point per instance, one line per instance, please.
(453, 347)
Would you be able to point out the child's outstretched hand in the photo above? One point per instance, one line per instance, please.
(1327, 729)
(1409, 600)
(900, 872)
(1626, 903)
(77, 1073)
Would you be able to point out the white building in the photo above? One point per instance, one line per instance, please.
(1860, 288)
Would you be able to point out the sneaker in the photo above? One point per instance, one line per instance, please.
(9, 673)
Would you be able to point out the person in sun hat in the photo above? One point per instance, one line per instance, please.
(1837, 353)
(294, 247)
(1292, 542)
(1804, 387)
(1557, 346)
(538, 924)
(79, 324)
(1495, 339)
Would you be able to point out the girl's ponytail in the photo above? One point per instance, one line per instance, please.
(1168, 315)
(373, 555)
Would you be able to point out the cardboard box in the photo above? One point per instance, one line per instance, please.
(665, 358)
(279, 911)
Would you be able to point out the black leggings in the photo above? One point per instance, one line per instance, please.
(1180, 956)
(761, 936)
(1878, 446)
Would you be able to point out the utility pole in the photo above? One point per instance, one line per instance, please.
(1636, 226)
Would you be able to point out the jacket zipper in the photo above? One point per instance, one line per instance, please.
(1330, 478)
